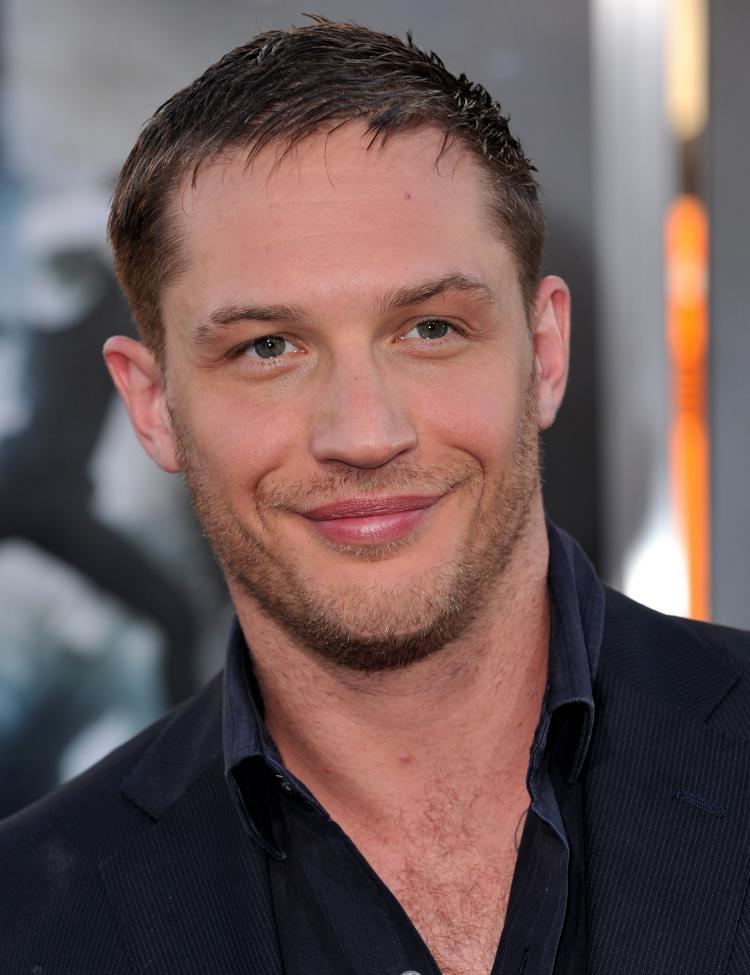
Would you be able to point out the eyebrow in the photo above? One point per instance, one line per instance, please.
(400, 298)
(429, 289)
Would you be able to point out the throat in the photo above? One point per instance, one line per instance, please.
(375, 755)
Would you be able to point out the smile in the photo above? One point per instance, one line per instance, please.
(371, 520)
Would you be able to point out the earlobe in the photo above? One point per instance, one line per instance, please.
(551, 339)
(139, 381)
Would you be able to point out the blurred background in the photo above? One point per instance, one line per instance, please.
(111, 608)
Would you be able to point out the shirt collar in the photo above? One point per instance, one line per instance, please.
(252, 761)
(577, 623)
(245, 731)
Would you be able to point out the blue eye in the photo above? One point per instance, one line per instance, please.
(434, 328)
(269, 346)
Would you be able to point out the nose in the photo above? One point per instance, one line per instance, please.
(359, 418)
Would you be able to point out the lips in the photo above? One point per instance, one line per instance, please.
(369, 520)
(364, 507)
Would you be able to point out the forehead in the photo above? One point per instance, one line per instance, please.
(420, 155)
(336, 210)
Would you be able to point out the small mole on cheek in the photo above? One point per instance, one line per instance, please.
(407, 195)
(405, 758)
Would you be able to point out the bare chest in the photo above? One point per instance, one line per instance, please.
(455, 892)
(460, 918)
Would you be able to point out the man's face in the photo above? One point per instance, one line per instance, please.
(350, 380)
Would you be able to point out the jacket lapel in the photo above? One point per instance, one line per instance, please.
(190, 888)
(667, 818)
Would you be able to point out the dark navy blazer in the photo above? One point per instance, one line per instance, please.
(142, 864)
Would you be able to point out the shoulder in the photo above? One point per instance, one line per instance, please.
(687, 663)
(50, 852)
(90, 809)
(665, 791)
(630, 625)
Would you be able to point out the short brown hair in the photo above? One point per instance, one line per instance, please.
(283, 86)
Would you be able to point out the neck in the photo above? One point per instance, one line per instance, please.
(368, 743)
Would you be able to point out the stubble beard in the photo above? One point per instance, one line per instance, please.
(374, 627)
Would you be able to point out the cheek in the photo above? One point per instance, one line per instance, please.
(239, 442)
(477, 413)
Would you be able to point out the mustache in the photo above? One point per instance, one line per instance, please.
(305, 495)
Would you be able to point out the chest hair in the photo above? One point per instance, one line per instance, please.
(452, 875)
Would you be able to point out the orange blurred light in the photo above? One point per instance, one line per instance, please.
(687, 332)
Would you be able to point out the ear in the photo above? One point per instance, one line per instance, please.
(551, 341)
(139, 381)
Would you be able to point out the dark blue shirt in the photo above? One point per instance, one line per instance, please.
(334, 915)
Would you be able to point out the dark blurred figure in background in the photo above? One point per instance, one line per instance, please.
(46, 495)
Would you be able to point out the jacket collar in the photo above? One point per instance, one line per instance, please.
(187, 744)
(187, 886)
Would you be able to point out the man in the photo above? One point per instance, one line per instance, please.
(438, 745)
